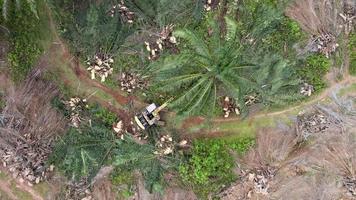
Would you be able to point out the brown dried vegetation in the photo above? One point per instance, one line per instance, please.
(28, 126)
(324, 20)
(287, 165)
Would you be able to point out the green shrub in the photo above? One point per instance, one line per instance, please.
(25, 39)
(209, 166)
(284, 37)
(103, 115)
(241, 145)
(125, 181)
(314, 70)
(352, 49)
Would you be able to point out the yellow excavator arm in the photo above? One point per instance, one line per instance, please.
(157, 110)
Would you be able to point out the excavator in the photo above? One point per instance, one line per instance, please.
(150, 116)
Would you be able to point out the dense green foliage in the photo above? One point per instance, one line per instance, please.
(90, 29)
(241, 145)
(125, 180)
(352, 49)
(81, 152)
(277, 80)
(209, 166)
(132, 156)
(103, 115)
(314, 71)
(25, 36)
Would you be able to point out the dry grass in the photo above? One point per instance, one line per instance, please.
(28, 111)
(273, 147)
(317, 17)
(322, 167)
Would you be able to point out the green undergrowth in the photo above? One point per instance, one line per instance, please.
(209, 166)
(314, 70)
(352, 50)
(29, 36)
(124, 182)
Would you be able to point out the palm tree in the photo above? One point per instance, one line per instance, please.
(18, 4)
(205, 70)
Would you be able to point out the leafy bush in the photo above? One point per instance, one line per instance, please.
(315, 68)
(125, 180)
(241, 145)
(286, 35)
(352, 49)
(103, 115)
(209, 166)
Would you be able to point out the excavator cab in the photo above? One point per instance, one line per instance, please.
(150, 115)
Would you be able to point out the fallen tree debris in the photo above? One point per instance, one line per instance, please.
(229, 106)
(348, 17)
(165, 40)
(126, 15)
(307, 89)
(324, 43)
(211, 4)
(165, 145)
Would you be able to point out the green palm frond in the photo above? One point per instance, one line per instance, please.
(221, 61)
(194, 41)
(231, 29)
(19, 4)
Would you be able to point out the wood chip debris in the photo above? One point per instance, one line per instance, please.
(119, 129)
(307, 89)
(126, 15)
(164, 146)
(100, 66)
(210, 5)
(325, 44)
(261, 178)
(312, 123)
(27, 163)
(255, 181)
(78, 190)
(76, 106)
(229, 106)
(165, 40)
(130, 81)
